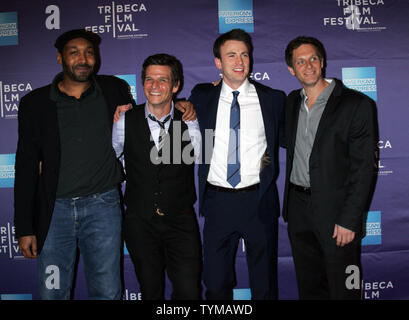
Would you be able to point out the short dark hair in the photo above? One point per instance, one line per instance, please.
(235, 34)
(164, 59)
(297, 42)
(77, 33)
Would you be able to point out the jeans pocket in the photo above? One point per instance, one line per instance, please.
(109, 198)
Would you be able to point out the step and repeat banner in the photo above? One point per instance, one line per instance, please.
(367, 43)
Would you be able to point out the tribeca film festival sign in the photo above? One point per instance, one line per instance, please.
(118, 20)
(10, 94)
(357, 15)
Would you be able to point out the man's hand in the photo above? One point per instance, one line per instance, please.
(28, 246)
(120, 109)
(189, 113)
(344, 236)
(215, 83)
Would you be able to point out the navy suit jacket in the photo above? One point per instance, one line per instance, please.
(205, 98)
(39, 141)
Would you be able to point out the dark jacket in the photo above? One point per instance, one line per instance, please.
(342, 160)
(38, 141)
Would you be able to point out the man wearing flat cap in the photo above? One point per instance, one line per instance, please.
(67, 175)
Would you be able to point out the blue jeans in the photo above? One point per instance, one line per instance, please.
(92, 224)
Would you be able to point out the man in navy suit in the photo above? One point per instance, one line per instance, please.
(237, 181)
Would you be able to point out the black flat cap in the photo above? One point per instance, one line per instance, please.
(77, 33)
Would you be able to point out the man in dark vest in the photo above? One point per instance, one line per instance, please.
(160, 226)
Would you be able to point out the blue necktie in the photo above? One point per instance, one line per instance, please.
(233, 161)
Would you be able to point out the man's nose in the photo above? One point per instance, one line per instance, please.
(82, 57)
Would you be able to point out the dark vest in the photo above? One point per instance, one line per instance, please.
(165, 185)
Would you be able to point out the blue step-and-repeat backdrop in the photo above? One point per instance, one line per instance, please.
(367, 44)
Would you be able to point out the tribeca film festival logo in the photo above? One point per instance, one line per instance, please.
(258, 76)
(10, 95)
(381, 165)
(128, 295)
(119, 20)
(357, 15)
(236, 14)
(8, 29)
(370, 290)
(8, 242)
(373, 290)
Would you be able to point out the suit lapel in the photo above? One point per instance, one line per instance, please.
(208, 122)
(330, 108)
(293, 123)
(267, 112)
(211, 108)
(266, 105)
(53, 128)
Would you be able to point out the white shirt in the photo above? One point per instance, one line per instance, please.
(252, 137)
(118, 132)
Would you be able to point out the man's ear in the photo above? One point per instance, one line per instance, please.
(176, 87)
(59, 58)
(291, 71)
(218, 63)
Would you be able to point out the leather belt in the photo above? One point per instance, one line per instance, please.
(188, 210)
(233, 190)
(302, 189)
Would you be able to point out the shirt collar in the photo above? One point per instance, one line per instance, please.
(56, 94)
(243, 89)
(324, 94)
(148, 112)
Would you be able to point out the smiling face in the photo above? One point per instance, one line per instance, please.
(234, 62)
(158, 86)
(77, 59)
(307, 65)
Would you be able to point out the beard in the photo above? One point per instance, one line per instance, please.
(79, 76)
